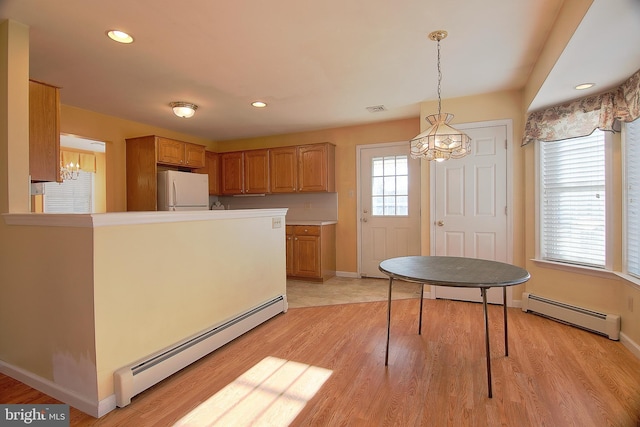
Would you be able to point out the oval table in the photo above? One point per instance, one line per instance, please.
(455, 272)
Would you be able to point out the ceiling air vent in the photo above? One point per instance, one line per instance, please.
(376, 108)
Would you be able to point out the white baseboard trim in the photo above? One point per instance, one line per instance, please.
(351, 274)
(633, 346)
(88, 406)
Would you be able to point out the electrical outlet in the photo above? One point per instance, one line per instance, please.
(307, 205)
(276, 222)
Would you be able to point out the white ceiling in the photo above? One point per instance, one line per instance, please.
(318, 64)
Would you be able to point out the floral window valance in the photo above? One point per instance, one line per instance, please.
(82, 161)
(581, 117)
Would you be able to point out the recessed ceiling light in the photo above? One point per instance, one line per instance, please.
(120, 36)
(259, 104)
(584, 86)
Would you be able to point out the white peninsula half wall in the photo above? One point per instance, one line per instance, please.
(96, 294)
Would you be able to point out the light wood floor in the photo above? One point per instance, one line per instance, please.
(555, 375)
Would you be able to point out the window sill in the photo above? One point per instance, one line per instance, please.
(631, 281)
(578, 269)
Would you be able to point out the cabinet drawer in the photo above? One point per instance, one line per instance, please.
(306, 230)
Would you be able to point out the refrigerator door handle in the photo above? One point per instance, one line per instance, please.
(175, 195)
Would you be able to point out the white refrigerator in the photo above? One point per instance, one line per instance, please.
(182, 191)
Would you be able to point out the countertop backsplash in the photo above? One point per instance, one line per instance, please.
(302, 207)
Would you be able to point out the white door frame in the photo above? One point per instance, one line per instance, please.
(359, 149)
(508, 123)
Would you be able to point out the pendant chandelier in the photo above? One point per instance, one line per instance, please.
(441, 141)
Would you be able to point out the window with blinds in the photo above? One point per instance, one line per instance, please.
(572, 196)
(632, 196)
(70, 196)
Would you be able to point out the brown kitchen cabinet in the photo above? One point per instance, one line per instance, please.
(212, 168)
(44, 132)
(232, 173)
(311, 251)
(178, 153)
(245, 172)
(303, 168)
(148, 154)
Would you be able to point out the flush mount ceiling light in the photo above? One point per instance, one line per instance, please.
(584, 86)
(184, 109)
(259, 104)
(441, 141)
(120, 36)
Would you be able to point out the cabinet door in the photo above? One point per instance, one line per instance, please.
(212, 169)
(194, 155)
(283, 169)
(44, 132)
(170, 152)
(231, 173)
(315, 171)
(307, 256)
(256, 171)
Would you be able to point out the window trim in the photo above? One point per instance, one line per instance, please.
(607, 270)
(625, 274)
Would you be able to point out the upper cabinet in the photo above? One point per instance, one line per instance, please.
(245, 172)
(44, 132)
(256, 172)
(144, 155)
(178, 153)
(232, 173)
(303, 168)
(316, 168)
(284, 169)
(212, 168)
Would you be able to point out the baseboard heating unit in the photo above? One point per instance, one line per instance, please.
(600, 323)
(139, 376)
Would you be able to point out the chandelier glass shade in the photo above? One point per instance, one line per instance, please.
(440, 141)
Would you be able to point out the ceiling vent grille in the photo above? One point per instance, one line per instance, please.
(376, 109)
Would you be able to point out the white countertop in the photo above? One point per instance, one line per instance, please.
(130, 218)
(309, 222)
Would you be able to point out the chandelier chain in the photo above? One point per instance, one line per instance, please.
(439, 79)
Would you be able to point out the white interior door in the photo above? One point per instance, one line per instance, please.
(389, 205)
(470, 207)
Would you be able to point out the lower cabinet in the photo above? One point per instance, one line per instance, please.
(311, 251)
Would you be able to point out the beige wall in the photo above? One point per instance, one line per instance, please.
(46, 309)
(157, 284)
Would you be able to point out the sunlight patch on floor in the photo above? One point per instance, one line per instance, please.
(273, 392)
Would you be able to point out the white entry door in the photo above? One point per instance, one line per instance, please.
(470, 207)
(389, 205)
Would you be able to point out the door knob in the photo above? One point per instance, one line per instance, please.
(365, 211)
(363, 219)
(440, 223)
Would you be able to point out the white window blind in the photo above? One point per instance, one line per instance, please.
(573, 210)
(632, 196)
(70, 196)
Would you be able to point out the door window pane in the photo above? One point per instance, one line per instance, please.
(390, 186)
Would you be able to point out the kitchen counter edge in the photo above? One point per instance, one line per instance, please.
(131, 218)
(307, 222)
